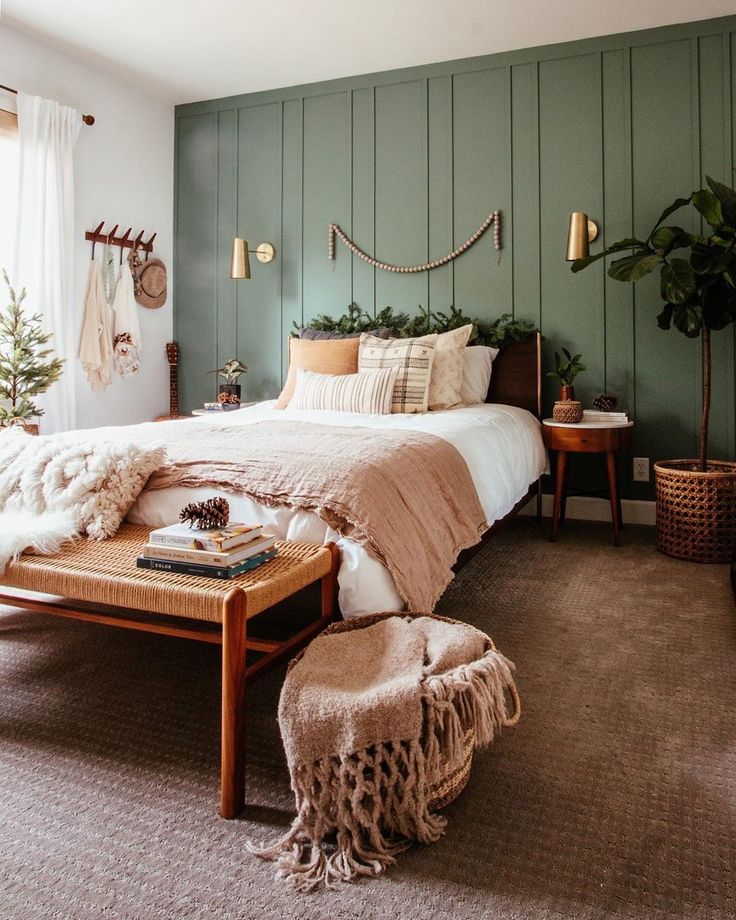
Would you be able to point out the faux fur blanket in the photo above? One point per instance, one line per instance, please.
(54, 487)
(369, 717)
(407, 497)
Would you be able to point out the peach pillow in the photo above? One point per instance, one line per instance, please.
(323, 356)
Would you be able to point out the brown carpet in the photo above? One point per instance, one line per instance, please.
(615, 797)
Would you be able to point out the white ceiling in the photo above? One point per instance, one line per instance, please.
(186, 50)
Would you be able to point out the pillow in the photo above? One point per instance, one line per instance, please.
(412, 357)
(368, 392)
(446, 382)
(476, 374)
(333, 356)
(319, 334)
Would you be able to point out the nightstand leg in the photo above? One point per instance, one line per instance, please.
(560, 470)
(615, 500)
(563, 504)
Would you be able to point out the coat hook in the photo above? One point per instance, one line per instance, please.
(123, 241)
(138, 239)
(149, 246)
(111, 234)
(96, 232)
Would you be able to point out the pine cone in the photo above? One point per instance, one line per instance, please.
(209, 515)
(605, 403)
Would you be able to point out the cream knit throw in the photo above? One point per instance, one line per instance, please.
(54, 487)
(369, 717)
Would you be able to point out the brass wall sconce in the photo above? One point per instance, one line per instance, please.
(240, 260)
(580, 234)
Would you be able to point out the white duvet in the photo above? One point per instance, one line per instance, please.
(502, 446)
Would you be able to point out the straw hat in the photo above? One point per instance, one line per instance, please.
(151, 284)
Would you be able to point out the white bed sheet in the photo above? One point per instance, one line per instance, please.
(502, 446)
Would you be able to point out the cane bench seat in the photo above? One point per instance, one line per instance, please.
(104, 572)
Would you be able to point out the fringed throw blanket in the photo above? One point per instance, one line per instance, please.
(371, 715)
(407, 497)
(54, 487)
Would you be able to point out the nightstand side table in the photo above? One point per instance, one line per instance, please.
(587, 437)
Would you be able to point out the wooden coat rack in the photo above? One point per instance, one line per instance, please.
(125, 242)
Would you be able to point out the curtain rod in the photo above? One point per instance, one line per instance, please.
(87, 119)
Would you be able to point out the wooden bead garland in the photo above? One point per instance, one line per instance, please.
(493, 218)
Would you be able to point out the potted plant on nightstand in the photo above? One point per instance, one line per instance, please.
(567, 367)
(228, 393)
(27, 367)
(696, 499)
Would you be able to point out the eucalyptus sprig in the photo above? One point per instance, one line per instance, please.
(497, 333)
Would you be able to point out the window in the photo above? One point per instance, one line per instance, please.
(9, 152)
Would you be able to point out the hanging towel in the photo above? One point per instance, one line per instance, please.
(109, 273)
(127, 351)
(95, 346)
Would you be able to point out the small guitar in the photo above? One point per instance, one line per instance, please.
(172, 356)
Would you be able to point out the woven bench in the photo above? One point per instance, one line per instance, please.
(99, 582)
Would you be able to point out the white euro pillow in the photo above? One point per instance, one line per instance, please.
(477, 367)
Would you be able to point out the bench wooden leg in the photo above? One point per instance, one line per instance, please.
(232, 760)
(329, 584)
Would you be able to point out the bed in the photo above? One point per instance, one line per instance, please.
(500, 444)
(500, 441)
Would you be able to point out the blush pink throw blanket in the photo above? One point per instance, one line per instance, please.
(407, 497)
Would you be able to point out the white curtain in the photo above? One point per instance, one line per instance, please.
(44, 257)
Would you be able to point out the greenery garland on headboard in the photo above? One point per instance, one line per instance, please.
(497, 333)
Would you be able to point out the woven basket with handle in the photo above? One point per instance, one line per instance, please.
(696, 511)
(456, 773)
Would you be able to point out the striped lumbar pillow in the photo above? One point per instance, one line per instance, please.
(412, 357)
(369, 392)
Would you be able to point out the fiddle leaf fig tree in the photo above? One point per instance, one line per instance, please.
(697, 275)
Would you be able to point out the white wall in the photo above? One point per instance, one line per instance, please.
(124, 169)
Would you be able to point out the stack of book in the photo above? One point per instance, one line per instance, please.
(594, 415)
(220, 553)
(219, 407)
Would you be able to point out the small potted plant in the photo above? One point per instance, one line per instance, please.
(567, 368)
(27, 367)
(228, 393)
(696, 497)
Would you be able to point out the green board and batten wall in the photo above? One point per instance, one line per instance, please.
(410, 162)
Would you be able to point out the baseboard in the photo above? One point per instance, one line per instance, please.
(585, 508)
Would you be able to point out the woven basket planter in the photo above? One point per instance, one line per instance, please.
(696, 511)
(569, 411)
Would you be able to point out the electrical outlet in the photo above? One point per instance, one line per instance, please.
(641, 469)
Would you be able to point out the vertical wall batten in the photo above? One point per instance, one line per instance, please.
(410, 162)
(602, 224)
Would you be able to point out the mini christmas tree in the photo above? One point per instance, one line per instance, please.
(27, 369)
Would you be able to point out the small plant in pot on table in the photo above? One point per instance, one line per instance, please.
(229, 392)
(567, 368)
(696, 499)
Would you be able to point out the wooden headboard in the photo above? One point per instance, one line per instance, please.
(517, 375)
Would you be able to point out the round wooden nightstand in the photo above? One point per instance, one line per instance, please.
(587, 437)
